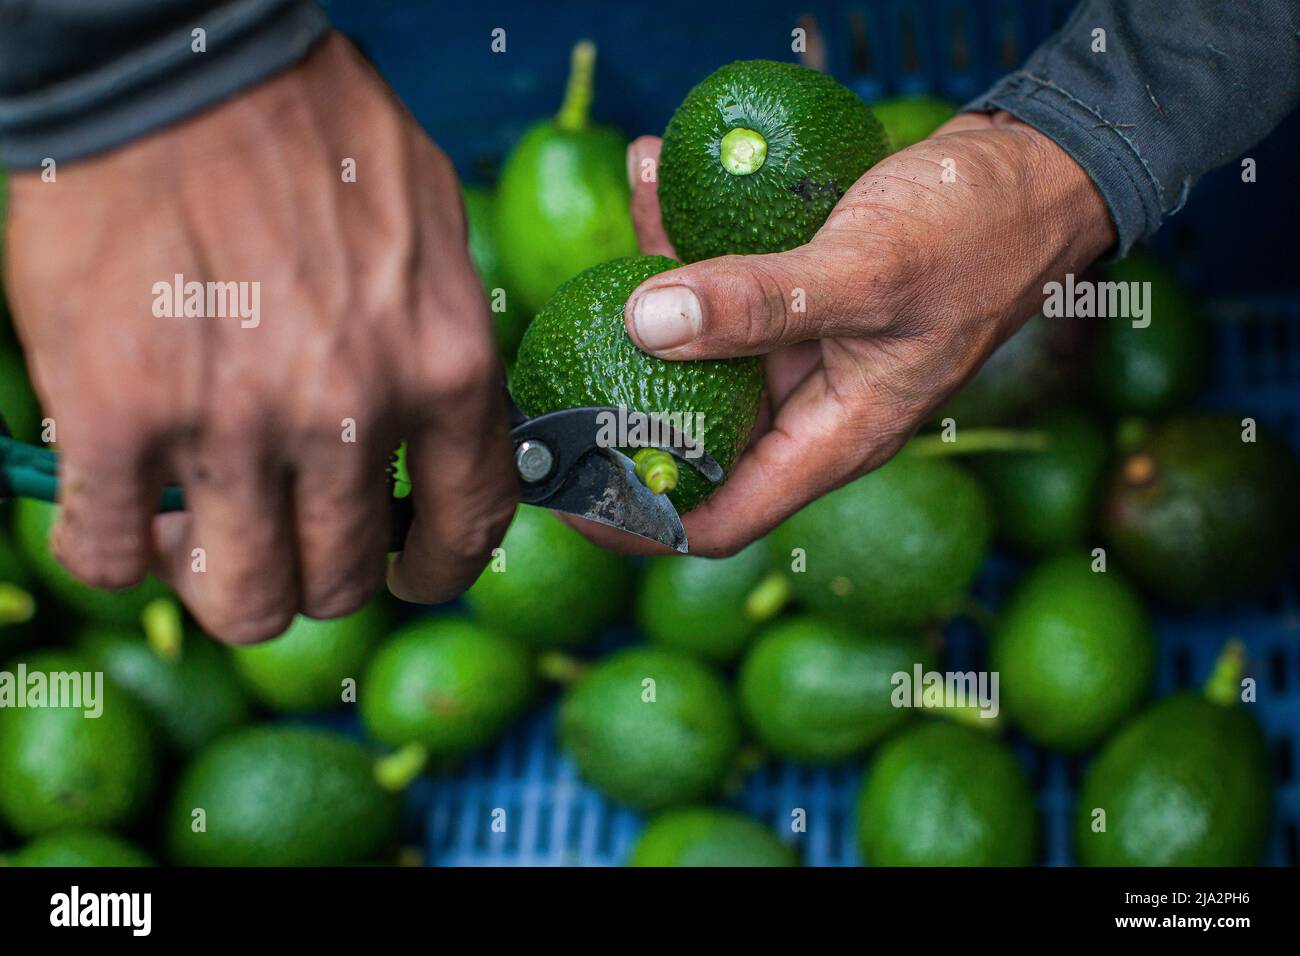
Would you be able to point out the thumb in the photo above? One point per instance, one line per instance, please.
(740, 305)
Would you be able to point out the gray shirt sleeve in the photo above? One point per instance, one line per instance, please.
(1182, 86)
(79, 77)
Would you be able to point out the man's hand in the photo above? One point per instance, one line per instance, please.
(373, 326)
(930, 261)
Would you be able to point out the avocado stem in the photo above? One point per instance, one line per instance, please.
(576, 108)
(394, 772)
(1224, 684)
(742, 151)
(769, 597)
(977, 441)
(17, 606)
(163, 628)
(657, 470)
(560, 668)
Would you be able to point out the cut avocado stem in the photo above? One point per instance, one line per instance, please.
(559, 667)
(769, 597)
(17, 606)
(394, 772)
(657, 470)
(977, 441)
(1140, 470)
(743, 151)
(163, 628)
(1224, 685)
(576, 108)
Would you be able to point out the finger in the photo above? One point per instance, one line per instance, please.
(643, 178)
(341, 515)
(748, 305)
(233, 560)
(818, 441)
(464, 492)
(109, 492)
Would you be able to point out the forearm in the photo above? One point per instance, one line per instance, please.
(1182, 86)
(78, 78)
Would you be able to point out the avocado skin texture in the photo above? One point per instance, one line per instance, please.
(1185, 784)
(281, 796)
(1046, 501)
(190, 701)
(59, 769)
(1218, 522)
(815, 691)
(577, 353)
(651, 755)
(563, 205)
(895, 549)
(1076, 651)
(33, 521)
(481, 216)
(820, 139)
(704, 836)
(942, 794)
(1160, 368)
(303, 669)
(448, 684)
(79, 848)
(557, 589)
(909, 119)
(698, 604)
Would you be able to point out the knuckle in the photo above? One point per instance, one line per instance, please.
(461, 377)
(338, 602)
(240, 626)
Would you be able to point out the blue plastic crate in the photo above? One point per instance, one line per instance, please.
(475, 104)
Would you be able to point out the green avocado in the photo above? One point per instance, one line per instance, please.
(549, 585)
(33, 521)
(756, 157)
(651, 728)
(60, 767)
(816, 691)
(577, 352)
(509, 318)
(1156, 369)
(909, 119)
(304, 668)
(705, 836)
(18, 606)
(78, 848)
(563, 201)
(1042, 363)
(190, 699)
(1046, 501)
(710, 606)
(944, 794)
(895, 549)
(1076, 653)
(1186, 783)
(447, 684)
(280, 796)
(1200, 517)
(18, 403)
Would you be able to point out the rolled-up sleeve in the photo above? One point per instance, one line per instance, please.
(1149, 95)
(77, 78)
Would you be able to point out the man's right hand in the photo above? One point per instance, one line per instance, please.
(370, 313)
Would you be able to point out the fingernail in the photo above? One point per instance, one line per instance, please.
(666, 317)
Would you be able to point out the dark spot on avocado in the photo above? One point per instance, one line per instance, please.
(807, 190)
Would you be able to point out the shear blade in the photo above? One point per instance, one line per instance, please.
(604, 488)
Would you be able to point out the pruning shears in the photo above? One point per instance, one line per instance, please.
(561, 462)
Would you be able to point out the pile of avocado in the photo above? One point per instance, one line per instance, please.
(1074, 449)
